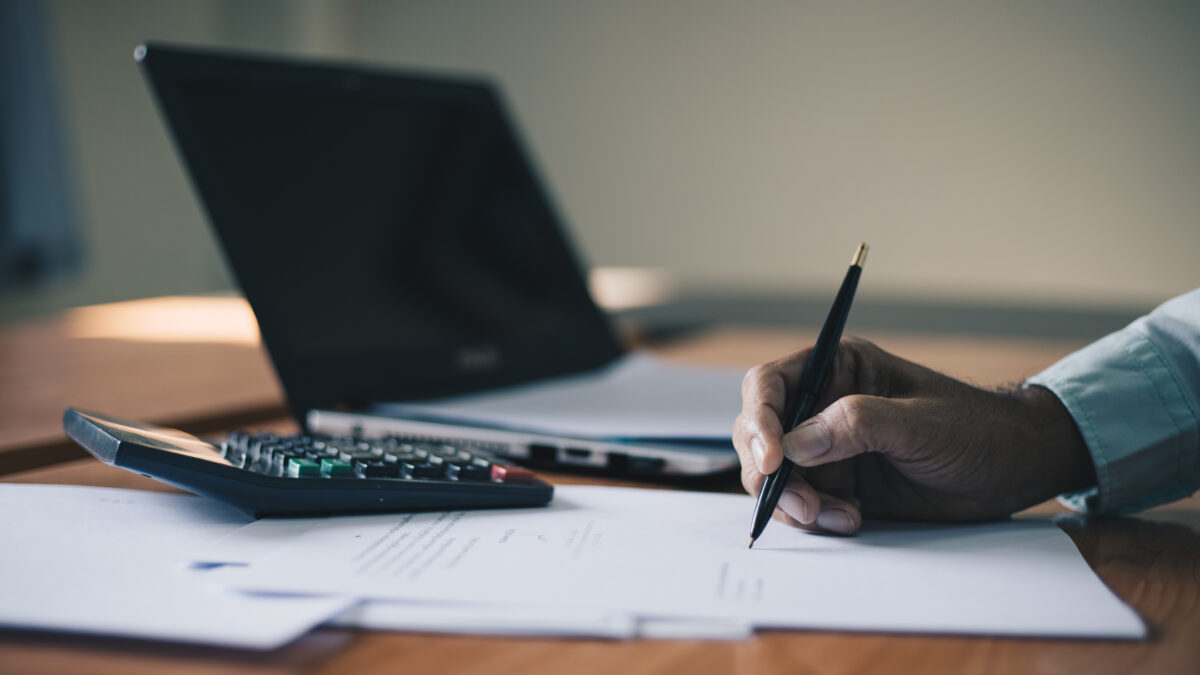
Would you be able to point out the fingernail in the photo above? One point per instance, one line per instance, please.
(835, 521)
(807, 442)
(793, 505)
(756, 447)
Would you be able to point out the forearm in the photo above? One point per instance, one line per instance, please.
(1133, 396)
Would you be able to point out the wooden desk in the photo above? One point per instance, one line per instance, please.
(194, 363)
(1151, 561)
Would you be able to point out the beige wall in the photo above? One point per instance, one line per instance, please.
(1020, 151)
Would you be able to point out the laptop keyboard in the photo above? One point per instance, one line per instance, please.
(304, 456)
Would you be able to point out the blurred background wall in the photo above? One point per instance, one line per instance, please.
(1030, 153)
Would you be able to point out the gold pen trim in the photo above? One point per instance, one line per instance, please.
(860, 256)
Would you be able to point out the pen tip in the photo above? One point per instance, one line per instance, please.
(751, 543)
(860, 255)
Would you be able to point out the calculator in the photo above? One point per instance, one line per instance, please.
(266, 474)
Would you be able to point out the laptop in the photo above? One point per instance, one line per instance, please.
(396, 245)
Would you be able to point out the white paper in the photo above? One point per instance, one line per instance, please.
(542, 621)
(694, 629)
(638, 397)
(240, 548)
(658, 553)
(109, 561)
(488, 619)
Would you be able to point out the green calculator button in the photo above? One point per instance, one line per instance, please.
(334, 468)
(298, 467)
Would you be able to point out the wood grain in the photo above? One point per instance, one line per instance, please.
(196, 385)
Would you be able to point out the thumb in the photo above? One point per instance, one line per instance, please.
(851, 425)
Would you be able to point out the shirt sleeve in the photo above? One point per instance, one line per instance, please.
(1135, 395)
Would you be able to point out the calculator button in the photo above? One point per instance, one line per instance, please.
(238, 439)
(376, 469)
(360, 453)
(267, 452)
(445, 451)
(298, 467)
(321, 452)
(422, 470)
(336, 468)
(507, 473)
(468, 471)
(279, 460)
(235, 456)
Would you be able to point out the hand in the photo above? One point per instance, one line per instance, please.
(896, 440)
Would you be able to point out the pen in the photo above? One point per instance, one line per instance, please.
(816, 372)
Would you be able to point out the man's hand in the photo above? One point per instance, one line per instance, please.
(897, 440)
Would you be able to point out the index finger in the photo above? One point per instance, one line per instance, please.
(768, 383)
(758, 429)
(764, 397)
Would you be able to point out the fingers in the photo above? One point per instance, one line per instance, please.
(838, 516)
(837, 508)
(771, 382)
(833, 514)
(756, 436)
(850, 426)
(832, 509)
(765, 391)
(757, 430)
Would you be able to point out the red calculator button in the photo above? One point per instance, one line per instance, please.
(506, 473)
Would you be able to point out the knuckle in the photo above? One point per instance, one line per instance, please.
(763, 379)
(859, 344)
(853, 415)
(748, 423)
(754, 375)
(852, 342)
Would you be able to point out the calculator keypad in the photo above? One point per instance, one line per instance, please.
(303, 456)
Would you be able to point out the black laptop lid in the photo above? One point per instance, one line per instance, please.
(387, 228)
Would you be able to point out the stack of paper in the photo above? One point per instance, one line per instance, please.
(106, 561)
(608, 562)
(681, 556)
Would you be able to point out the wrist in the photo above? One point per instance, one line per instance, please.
(1057, 452)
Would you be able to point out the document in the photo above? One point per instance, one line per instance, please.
(639, 397)
(109, 561)
(681, 555)
(247, 544)
(487, 619)
(540, 621)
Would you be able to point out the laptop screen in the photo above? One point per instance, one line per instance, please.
(387, 229)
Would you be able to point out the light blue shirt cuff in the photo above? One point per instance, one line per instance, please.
(1137, 416)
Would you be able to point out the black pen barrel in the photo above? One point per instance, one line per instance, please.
(812, 381)
(820, 363)
(768, 497)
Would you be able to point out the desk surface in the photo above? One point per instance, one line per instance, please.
(191, 363)
(196, 363)
(200, 380)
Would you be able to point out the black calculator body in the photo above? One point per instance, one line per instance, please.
(270, 475)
